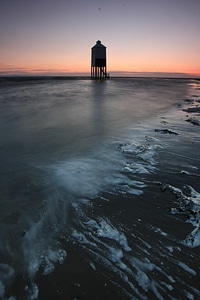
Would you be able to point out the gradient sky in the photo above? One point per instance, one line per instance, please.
(56, 36)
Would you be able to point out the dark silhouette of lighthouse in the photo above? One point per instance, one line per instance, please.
(98, 61)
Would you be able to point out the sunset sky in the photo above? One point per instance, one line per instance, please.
(55, 37)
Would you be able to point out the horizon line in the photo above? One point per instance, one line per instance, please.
(114, 74)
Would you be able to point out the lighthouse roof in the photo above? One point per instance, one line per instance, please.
(99, 45)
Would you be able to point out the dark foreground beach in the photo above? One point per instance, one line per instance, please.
(115, 214)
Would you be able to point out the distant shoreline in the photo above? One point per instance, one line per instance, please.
(85, 77)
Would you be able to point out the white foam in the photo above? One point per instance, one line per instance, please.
(39, 250)
(190, 206)
(109, 246)
(104, 229)
(168, 286)
(145, 281)
(154, 286)
(32, 291)
(80, 177)
(195, 196)
(7, 274)
(92, 266)
(193, 239)
(52, 258)
(184, 172)
(85, 177)
(189, 295)
(116, 256)
(82, 239)
(170, 248)
(144, 152)
(137, 168)
(186, 268)
(158, 230)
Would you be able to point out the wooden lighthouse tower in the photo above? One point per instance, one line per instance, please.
(98, 61)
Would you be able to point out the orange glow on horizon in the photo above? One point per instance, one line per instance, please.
(64, 66)
(62, 71)
(75, 60)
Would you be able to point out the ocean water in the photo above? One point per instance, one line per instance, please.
(100, 194)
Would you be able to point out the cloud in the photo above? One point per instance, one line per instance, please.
(153, 74)
(9, 71)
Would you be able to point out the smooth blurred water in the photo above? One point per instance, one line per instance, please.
(64, 142)
(48, 121)
(53, 117)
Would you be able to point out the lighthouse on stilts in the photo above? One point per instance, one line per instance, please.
(98, 61)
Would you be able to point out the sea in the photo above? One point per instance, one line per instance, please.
(100, 188)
